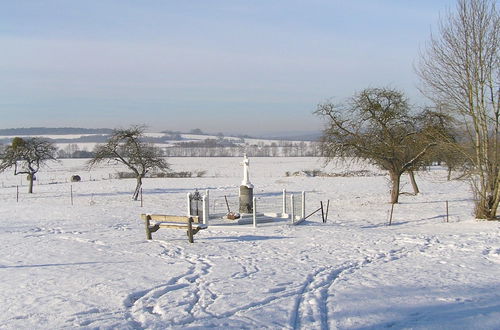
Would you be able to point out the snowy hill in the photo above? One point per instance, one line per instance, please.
(82, 141)
(89, 265)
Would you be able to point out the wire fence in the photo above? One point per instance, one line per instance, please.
(269, 202)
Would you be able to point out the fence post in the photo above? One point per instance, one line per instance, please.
(17, 194)
(205, 209)
(284, 201)
(207, 200)
(447, 214)
(254, 212)
(303, 214)
(322, 212)
(188, 204)
(327, 208)
(71, 193)
(390, 217)
(292, 206)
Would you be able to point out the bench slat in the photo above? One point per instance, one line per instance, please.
(170, 218)
(178, 225)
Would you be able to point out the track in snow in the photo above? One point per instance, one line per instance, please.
(156, 305)
(311, 304)
(186, 298)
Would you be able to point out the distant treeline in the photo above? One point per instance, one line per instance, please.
(173, 144)
(218, 148)
(53, 131)
(280, 149)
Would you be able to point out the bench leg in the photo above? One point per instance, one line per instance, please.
(148, 232)
(190, 230)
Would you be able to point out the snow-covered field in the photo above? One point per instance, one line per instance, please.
(89, 265)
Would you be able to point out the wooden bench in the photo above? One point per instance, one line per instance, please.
(191, 224)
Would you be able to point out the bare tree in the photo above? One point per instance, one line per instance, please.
(126, 146)
(451, 150)
(27, 156)
(461, 67)
(376, 125)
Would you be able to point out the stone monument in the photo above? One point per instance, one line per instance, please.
(246, 189)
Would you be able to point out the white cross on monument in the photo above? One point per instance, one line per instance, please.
(246, 179)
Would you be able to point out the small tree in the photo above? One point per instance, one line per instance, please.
(196, 131)
(376, 125)
(452, 149)
(126, 146)
(27, 156)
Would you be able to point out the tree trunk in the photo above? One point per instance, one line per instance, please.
(395, 179)
(448, 177)
(137, 188)
(484, 210)
(496, 196)
(486, 206)
(411, 174)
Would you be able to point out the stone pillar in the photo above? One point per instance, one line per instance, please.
(246, 199)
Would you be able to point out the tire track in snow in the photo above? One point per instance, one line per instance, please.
(319, 282)
(311, 304)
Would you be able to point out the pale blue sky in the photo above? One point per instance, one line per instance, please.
(252, 66)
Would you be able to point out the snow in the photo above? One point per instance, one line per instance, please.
(89, 264)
